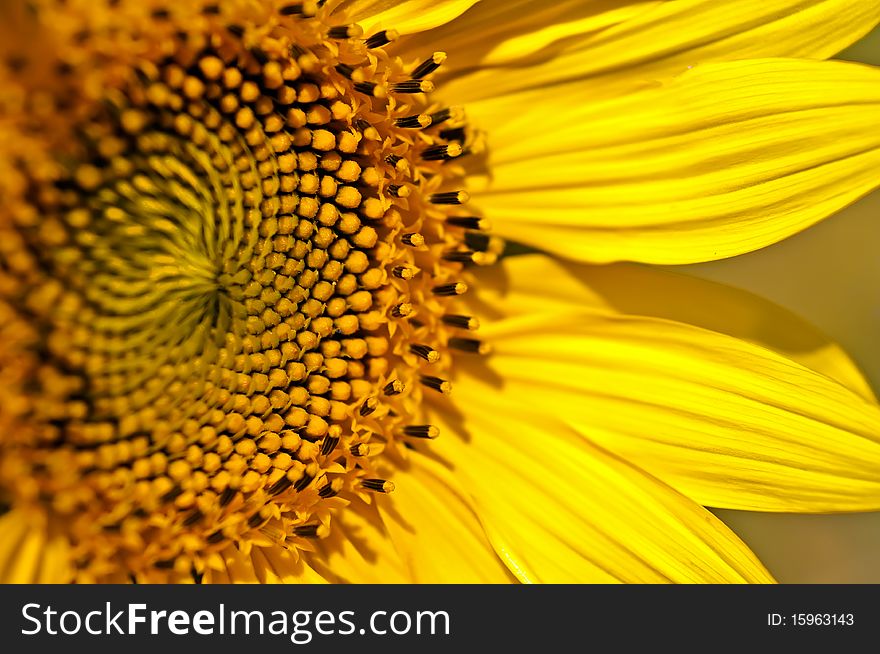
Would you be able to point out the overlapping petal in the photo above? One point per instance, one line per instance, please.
(613, 46)
(830, 274)
(261, 565)
(558, 509)
(724, 159)
(274, 565)
(536, 284)
(433, 527)
(406, 17)
(359, 549)
(728, 423)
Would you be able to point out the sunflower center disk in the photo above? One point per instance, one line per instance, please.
(240, 291)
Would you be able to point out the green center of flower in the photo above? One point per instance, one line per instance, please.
(236, 289)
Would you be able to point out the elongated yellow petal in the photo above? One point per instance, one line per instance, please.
(434, 528)
(407, 17)
(725, 422)
(724, 159)
(28, 554)
(534, 284)
(502, 32)
(829, 274)
(617, 46)
(561, 510)
(359, 549)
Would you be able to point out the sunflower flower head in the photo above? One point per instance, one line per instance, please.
(240, 271)
(230, 284)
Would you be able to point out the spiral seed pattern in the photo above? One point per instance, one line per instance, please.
(227, 279)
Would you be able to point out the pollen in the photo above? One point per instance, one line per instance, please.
(229, 277)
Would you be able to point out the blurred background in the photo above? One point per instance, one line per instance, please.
(830, 275)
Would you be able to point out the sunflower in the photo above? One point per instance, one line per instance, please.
(246, 250)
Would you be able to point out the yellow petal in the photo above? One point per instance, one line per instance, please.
(561, 510)
(280, 566)
(359, 549)
(434, 528)
(28, 554)
(533, 284)
(829, 274)
(234, 568)
(615, 46)
(725, 422)
(724, 159)
(407, 17)
(497, 32)
(262, 565)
